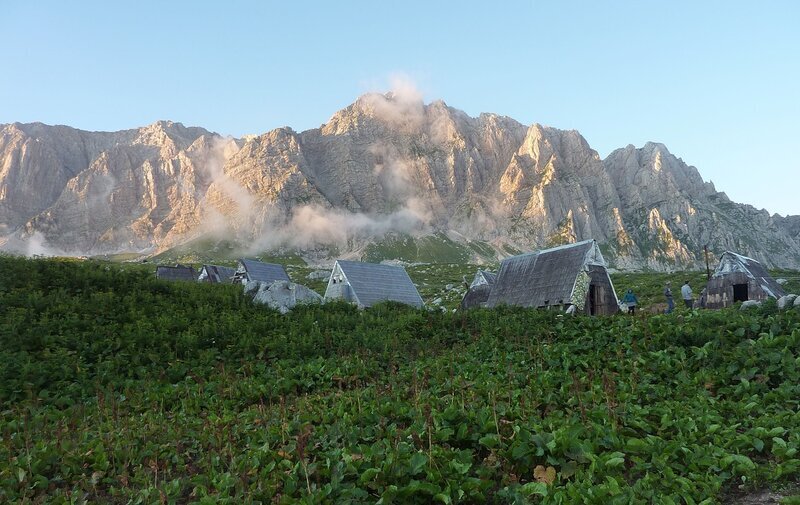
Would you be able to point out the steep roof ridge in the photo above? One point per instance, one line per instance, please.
(592, 255)
(740, 256)
(552, 249)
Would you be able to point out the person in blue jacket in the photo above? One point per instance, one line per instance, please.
(630, 300)
(668, 296)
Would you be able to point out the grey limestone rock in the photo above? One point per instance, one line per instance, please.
(319, 275)
(786, 301)
(750, 304)
(284, 295)
(252, 287)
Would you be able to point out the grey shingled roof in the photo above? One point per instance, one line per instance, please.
(176, 273)
(731, 261)
(540, 278)
(372, 283)
(264, 272)
(217, 273)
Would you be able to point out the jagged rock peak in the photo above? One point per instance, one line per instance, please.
(406, 113)
(654, 165)
(165, 131)
(387, 163)
(275, 134)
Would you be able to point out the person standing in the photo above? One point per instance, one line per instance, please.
(686, 294)
(630, 300)
(668, 296)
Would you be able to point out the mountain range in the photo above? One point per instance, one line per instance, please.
(387, 168)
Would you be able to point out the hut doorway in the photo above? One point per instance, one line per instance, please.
(740, 293)
(593, 296)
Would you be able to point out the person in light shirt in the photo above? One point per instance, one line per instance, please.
(686, 294)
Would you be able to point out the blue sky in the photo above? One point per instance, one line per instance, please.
(717, 82)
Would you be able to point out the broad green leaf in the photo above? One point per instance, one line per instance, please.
(444, 498)
(460, 467)
(615, 459)
(534, 488)
(636, 445)
(774, 432)
(568, 469)
(418, 462)
(615, 462)
(368, 475)
(490, 441)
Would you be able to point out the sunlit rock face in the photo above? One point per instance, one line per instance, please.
(671, 213)
(385, 164)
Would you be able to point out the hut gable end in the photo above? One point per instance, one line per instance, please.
(483, 278)
(216, 274)
(480, 289)
(339, 287)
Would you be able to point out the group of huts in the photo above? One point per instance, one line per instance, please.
(575, 277)
(571, 278)
(363, 284)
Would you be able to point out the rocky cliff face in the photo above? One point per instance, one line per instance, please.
(78, 191)
(671, 213)
(385, 164)
(789, 224)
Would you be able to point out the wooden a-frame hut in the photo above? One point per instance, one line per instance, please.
(366, 284)
(254, 270)
(738, 279)
(573, 275)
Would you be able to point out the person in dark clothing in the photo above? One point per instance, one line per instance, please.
(630, 300)
(670, 300)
